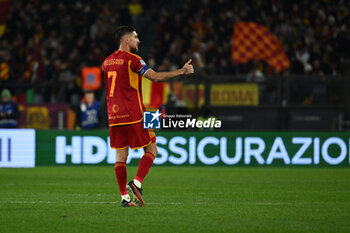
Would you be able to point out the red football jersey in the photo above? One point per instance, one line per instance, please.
(123, 73)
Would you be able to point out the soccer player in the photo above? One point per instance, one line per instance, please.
(123, 71)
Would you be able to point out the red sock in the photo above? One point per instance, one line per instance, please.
(144, 166)
(120, 173)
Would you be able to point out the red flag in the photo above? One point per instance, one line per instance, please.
(154, 94)
(4, 11)
(252, 41)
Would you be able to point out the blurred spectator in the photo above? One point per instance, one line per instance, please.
(135, 10)
(90, 111)
(9, 113)
(256, 75)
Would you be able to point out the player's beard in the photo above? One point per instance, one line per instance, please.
(134, 49)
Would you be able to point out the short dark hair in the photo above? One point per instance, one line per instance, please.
(123, 30)
(89, 92)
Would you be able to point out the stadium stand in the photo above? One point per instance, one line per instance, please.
(47, 43)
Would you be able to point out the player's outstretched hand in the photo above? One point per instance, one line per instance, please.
(188, 67)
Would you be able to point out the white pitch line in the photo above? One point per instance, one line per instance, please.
(89, 202)
(291, 203)
(173, 203)
(56, 202)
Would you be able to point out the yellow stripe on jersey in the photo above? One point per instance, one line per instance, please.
(134, 83)
(133, 77)
(146, 91)
(127, 123)
(151, 133)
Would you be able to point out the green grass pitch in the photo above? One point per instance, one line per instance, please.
(178, 199)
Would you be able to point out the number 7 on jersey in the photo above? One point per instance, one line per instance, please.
(113, 75)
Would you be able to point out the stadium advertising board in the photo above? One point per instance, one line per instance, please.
(234, 94)
(17, 148)
(200, 148)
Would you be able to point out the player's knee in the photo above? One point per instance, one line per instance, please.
(155, 151)
(152, 149)
(122, 155)
(122, 158)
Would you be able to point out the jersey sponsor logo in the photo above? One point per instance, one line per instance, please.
(151, 120)
(112, 117)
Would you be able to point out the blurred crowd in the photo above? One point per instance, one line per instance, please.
(49, 42)
(309, 32)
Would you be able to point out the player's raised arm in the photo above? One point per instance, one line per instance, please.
(161, 76)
